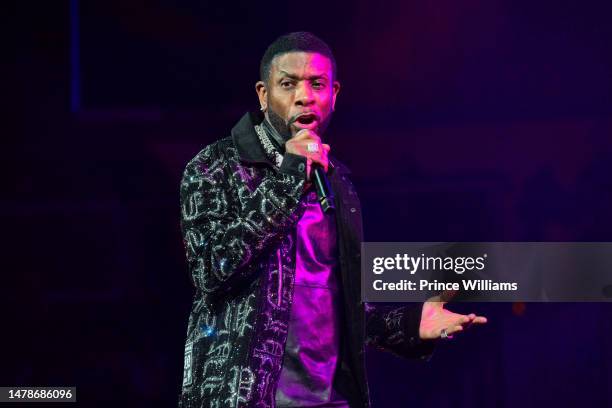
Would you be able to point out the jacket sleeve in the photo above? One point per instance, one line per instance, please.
(396, 330)
(223, 236)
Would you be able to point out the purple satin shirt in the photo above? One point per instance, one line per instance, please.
(311, 352)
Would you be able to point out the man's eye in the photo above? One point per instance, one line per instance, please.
(318, 85)
(287, 84)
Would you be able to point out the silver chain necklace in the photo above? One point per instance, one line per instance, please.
(272, 153)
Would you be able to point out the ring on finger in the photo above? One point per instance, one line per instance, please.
(312, 147)
(444, 334)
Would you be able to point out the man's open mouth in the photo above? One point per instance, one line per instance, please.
(306, 119)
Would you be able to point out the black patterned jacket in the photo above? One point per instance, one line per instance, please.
(238, 218)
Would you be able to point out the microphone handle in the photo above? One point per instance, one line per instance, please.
(325, 194)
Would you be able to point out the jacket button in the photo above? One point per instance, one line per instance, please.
(301, 167)
(353, 209)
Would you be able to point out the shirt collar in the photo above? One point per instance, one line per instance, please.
(246, 140)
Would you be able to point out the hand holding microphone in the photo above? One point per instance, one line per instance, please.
(308, 144)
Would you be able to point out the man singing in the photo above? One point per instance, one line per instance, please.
(277, 319)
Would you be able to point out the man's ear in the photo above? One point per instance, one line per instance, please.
(336, 89)
(262, 92)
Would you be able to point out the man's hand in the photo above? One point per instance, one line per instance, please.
(434, 318)
(299, 145)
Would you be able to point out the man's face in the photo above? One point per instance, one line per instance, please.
(300, 93)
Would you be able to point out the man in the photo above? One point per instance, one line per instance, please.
(277, 318)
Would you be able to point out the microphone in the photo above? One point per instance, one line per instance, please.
(325, 195)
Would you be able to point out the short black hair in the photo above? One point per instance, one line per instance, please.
(297, 41)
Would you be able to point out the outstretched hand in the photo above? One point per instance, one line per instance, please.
(434, 319)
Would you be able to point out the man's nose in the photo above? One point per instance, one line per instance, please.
(304, 95)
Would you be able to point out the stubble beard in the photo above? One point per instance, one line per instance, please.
(279, 124)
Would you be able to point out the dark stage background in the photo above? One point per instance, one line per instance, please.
(462, 121)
